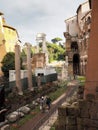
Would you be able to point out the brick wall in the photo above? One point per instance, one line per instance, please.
(79, 115)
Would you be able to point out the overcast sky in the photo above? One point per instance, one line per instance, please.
(30, 17)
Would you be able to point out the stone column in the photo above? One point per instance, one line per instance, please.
(17, 68)
(83, 67)
(37, 50)
(29, 68)
(92, 64)
(81, 64)
(66, 67)
(44, 50)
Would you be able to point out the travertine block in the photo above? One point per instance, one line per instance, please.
(69, 127)
(70, 120)
(90, 123)
(90, 97)
(62, 111)
(72, 111)
(62, 120)
(94, 110)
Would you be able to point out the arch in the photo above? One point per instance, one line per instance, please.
(76, 63)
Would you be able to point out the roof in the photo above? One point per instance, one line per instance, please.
(7, 26)
(80, 6)
(71, 18)
(1, 13)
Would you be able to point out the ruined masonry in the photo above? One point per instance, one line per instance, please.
(79, 115)
(83, 113)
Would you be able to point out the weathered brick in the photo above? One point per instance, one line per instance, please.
(62, 120)
(70, 120)
(84, 104)
(80, 90)
(90, 123)
(80, 96)
(75, 104)
(84, 113)
(96, 88)
(60, 127)
(94, 110)
(80, 127)
(90, 97)
(80, 121)
(72, 111)
(62, 111)
(5, 127)
(69, 127)
(92, 128)
(96, 96)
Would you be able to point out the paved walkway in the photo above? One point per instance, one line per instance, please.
(49, 123)
(40, 118)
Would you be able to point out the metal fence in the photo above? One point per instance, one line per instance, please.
(44, 79)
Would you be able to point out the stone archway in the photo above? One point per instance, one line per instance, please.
(76, 63)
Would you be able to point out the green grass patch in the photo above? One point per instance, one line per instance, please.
(57, 93)
(81, 80)
(52, 128)
(27, 117)
(61, 88)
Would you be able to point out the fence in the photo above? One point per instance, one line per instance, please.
(44, 79)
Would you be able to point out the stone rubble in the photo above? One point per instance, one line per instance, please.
(83, 115)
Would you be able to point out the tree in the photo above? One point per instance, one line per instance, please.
(56, 52)
(55, 40)
(8, 63)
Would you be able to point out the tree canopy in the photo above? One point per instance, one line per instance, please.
(8, 63)
(55, 40)
(56, 52)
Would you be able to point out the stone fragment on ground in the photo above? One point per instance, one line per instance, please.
(12, 117)
(24, 109)
(5, 127)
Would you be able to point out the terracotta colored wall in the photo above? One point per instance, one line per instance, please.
(92, 65)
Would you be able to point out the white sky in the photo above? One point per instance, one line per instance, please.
(30, 17)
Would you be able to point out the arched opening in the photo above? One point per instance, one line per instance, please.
(76, 62)
(74, 46)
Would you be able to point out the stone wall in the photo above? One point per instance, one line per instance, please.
(79, 115)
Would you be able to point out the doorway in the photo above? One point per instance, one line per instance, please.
(76, 62)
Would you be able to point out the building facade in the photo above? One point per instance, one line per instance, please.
(8, 38)
(77, 36)
(38, 60)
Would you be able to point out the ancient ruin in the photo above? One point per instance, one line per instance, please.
(83, 113)
(17, 68)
